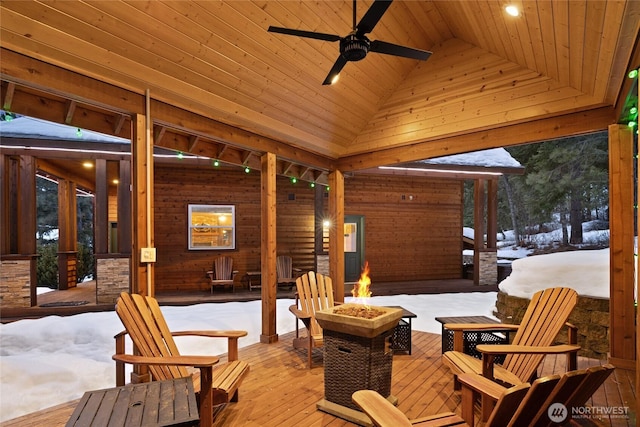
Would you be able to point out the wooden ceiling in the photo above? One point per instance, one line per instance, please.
(493, 80)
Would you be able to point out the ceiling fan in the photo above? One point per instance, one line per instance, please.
(356, 45)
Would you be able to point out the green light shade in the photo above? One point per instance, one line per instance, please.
(328, 188)
(312, 184)
(633, 110)
(216, 163)
(633, 74)
(632, 124)
(79, 133)
(180, 155)
(247, 169)
(294, 180)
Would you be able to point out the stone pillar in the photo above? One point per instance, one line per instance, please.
(15, 282)
(112, 278)
(488, 267)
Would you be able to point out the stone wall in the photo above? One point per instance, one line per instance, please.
(112, 278)
(15, 283)
(591, 316)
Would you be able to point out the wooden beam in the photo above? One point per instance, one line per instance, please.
(336, 233)
(621, 246)
(193, 141)
(523, 133)
(268, 279)
(70, 111)
(101, 209)
(8, 96)
(158, 134)
(119, 122)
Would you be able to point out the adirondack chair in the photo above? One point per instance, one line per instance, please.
(287, 275)
(223, 273)
(517, 406)
(545, 316)
(314, 292)
(145, 324)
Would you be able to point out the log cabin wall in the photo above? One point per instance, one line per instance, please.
(178, 268)
(413, 225)
(405, 239)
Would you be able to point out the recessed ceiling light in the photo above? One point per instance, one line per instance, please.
(512, 10)
(87, 165)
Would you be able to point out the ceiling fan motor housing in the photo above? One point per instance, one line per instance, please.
(353, 48)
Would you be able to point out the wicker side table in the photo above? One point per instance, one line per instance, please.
(401, 340)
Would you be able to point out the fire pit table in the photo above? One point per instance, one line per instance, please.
(358, 355)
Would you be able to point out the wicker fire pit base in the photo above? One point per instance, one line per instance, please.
(353, 363)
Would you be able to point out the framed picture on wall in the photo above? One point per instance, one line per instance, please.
(212, 227)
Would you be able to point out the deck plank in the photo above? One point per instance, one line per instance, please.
(282, 391)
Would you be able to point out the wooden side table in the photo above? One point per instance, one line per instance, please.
(252, 276)
(156, 403)
(473, 338)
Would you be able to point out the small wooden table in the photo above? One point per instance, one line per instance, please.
(156, 403)
(250, 276)
(473, 338)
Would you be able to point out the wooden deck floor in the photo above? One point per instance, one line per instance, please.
(281, 391)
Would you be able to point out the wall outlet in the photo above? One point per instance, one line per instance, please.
(148, 255)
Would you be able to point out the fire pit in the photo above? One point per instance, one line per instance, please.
(357, 356)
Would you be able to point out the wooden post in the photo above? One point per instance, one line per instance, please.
(621, 247)
(101, 209)
(68, 235)
(478, 226)
(268, 279)
(492, 213)
(124, 209)
(142, 153)
(26, 212)
(336, 233)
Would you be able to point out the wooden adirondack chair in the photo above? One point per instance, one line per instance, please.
(314, 292)
(517, 406)
(545, 316)
(150, 334)
(285, 272)
(223, 273)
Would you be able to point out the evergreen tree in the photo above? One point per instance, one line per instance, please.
(566, 180)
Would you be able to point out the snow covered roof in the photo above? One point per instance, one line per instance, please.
(28, 127)
(494, 157)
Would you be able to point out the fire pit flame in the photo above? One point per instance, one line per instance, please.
(361, 289)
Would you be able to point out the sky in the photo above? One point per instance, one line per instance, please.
(52, 360)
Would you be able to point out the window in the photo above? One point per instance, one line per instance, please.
(212, 227)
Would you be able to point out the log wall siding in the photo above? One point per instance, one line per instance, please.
(405, 239)
(412, 225)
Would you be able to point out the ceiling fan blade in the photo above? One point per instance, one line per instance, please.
(335, 70)
(394, 49)
(371, 18)
(302, 33)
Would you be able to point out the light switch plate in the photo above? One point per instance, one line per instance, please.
(148, 255)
